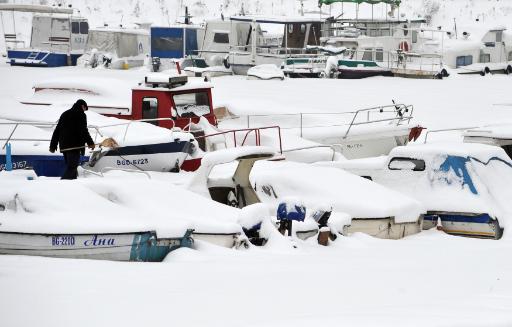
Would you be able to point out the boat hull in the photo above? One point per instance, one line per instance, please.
(42, 59)
(137, 246)
(355, 73)
(385, 228)
(471, 225)
(43, 165)
(163, 157)
(227, 240)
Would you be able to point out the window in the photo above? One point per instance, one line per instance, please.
(379, 55)
(150, 109)
(499, 36)
(510, 56)
(189, 105)
(167, 43)
(414, 36)
(485, 57)
(221, 38)
(75, 28)
(367, 54)
(464, 61)
(84, 28)
(490, 44)
(400, 163)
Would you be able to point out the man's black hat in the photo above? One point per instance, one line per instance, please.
(81, 103)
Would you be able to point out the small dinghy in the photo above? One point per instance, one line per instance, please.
(136, 246)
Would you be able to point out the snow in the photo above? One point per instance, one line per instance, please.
(348, 193)
(265, 72)
(428, 279)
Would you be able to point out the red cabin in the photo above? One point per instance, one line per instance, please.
(172, 97)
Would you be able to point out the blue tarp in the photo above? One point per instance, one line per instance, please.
(173, 42)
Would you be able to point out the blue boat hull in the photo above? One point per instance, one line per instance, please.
(43, 58)
(51, 166)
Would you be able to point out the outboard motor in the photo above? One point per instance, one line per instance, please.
(156, 63)
(321, 216)
(287, 212)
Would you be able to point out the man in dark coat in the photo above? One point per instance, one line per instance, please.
(71, 134)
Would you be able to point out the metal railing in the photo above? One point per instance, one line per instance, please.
(247, 131)
(332, 147)
(397, 113)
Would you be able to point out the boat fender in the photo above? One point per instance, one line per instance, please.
(404, 46)
(415, 133)
(487, 70)
(445, 73)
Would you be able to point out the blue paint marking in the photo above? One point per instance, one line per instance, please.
(480, 219)
(458, 166)
(8, 157)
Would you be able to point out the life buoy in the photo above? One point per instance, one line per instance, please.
(404, 46)
(415, 133)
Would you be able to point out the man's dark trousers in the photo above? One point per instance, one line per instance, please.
(72, 160)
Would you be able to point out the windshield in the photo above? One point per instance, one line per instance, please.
(192, 104)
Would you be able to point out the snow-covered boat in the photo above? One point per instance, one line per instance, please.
(244, 176)
(355, 134)
(462, 185)
(116, 47)
(136, 246)
(258, 49)
(57, 36)
(265, 72)
(497, 135)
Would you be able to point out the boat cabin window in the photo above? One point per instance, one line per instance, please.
(167, 43)
(400, 163)
(150, 109)
(221, 38)
(189, 105)
(490, 44)
(75, 27)
(406, 30)
(510, 56)
(499, 36)
(367, 54)
(464, 61)
(414, 36)
(84, 28)
(485, 57)
(379, 55)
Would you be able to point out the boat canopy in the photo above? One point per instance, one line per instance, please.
(373, 2)
(36, 9)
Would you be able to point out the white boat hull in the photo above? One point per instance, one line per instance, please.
(149, 157)
(138, 246)
(385, 228)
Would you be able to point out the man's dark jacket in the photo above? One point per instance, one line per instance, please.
(71, 130)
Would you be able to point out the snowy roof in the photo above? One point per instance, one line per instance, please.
(108, 29)
(501, 132)
(480, 151)
(276, 20)
(35, 8)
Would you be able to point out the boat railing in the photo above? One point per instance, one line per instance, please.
(128, 124)
(333, 147)
(272, 50)
(246, 132)
(95, 128)
(395, 114)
